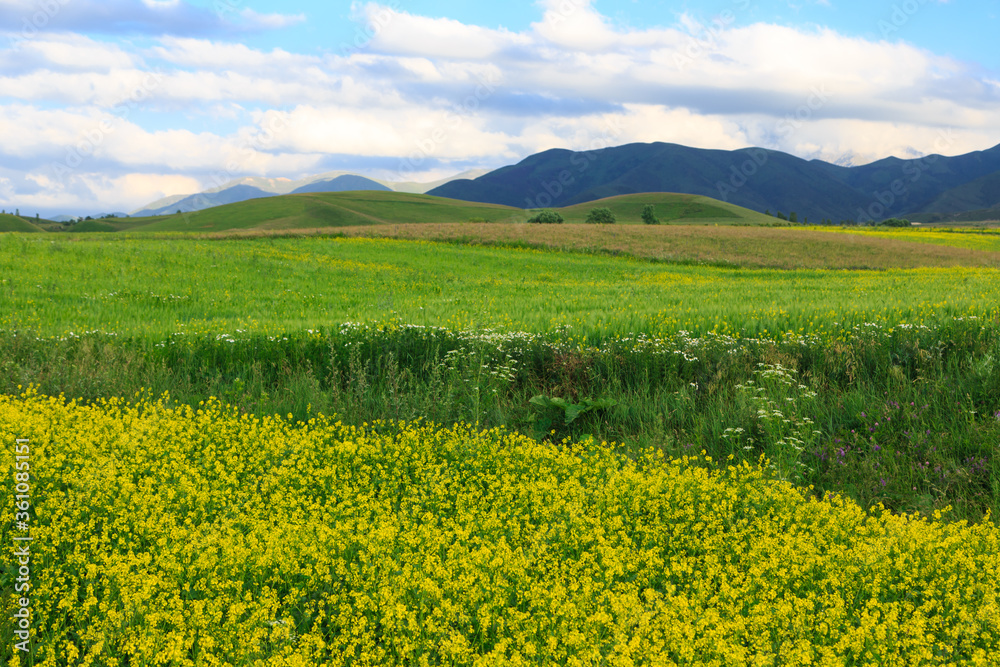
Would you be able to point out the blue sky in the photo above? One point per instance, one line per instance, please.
(111, 104)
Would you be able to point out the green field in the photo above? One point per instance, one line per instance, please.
(156, 287)
(972, 239)
(695, 443)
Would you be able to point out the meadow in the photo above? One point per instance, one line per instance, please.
(155, 287)
(482, 444)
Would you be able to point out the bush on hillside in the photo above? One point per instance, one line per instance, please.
(601, 216)
(895, 222)
(546, 217)
(649, 215)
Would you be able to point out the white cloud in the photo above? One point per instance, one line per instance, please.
(425, 93)
(397, 32)
(575, 25)
(255, 20)
(216, 55)
(90, 192)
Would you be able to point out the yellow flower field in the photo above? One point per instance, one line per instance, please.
(202, 537)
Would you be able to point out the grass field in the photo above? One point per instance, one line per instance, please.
(737, 246)
(562, 444)
(157, 287)
(987, 240)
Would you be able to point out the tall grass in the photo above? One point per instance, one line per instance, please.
(908, 417)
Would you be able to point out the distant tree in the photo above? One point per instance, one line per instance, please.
(895, 222)
(793, 217)
(601, 216)
(649, 215)
(545, 217)
(17, 212)
(767, 211)
(780, 216)
(178, 211)
(805, 220)
(36, 217)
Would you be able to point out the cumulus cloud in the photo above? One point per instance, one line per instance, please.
(153, 17)
(397, 32)
(417, 96)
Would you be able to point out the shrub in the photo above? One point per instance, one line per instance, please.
(649, 215)
(601, 216)
(546, 217)
(895, 222)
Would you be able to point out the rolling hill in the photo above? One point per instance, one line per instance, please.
(754, 178)
(245, 192)
(669, 208)
(338, 209)
(14, 223)
(256, 187)
(365, 208)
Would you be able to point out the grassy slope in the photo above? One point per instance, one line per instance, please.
(347, 209)
(93, 226)
(332, 209)
(13, 223)
(669, 208)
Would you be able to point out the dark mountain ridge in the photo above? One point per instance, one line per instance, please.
(755, 178)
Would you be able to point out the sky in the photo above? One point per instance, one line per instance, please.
(107, 105)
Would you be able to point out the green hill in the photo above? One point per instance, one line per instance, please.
(93, 226)
(669, 208)
(14, 223)
(331, 209)
(367, 208)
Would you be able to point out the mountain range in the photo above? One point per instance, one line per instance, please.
(258, 187)
(931, 188)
